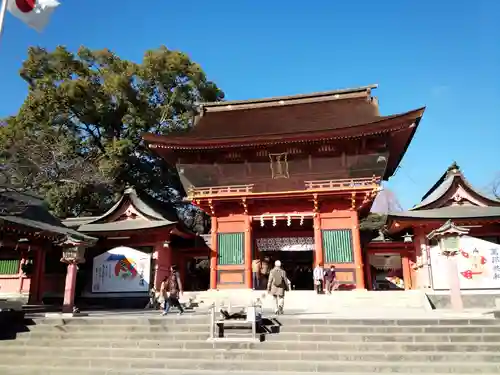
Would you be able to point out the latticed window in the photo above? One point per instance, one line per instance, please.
(9, 266)
(337, 246)
(230, 248)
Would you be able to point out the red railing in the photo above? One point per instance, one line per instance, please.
(220, 190)
(341, 184)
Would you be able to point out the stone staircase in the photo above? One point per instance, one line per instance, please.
(148, 344)
(310, 301)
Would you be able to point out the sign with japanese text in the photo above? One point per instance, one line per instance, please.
(121, 270)
(285, 244)
(478, 264)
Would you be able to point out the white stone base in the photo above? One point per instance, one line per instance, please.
(66, 315)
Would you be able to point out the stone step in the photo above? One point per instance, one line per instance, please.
(258, 355)
(260, 366)
(414, 299)
(284, 336)
(104, 344)
(313, 328)
(36, 370)
(285, 319)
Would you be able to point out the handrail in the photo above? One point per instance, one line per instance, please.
(216, 190)
(345, 183)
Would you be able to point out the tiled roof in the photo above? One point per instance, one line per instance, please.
(286, 119)
(452, 177)
(450, 212)
(157, 215)
(269, 118)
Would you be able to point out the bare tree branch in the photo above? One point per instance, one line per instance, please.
(495, 187)
(30, 163)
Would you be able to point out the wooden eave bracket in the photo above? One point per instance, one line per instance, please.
(245, 205)
(315, 204)
(353, 201)
(211, 206)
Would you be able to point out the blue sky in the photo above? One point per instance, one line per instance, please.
(442, 54)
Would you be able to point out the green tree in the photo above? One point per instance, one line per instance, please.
(76, 139)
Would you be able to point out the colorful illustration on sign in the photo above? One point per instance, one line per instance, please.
(121, 269)
(476, 262)
(124, 267)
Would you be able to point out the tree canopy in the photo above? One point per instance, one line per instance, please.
(76, 139)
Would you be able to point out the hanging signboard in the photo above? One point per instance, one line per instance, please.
(478, 264)
(285, 244)
(121, 269)
(386, 261)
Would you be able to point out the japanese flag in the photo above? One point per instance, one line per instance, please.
(34, 13)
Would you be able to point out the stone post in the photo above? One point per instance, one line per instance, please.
(448, 236)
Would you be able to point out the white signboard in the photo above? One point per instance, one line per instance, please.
(285, 244)
(121, 269)
(478, 264)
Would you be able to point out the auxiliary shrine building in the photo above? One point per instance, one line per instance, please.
(288, 178)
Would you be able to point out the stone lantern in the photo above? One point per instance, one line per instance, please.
(448, 237)
(73, 253)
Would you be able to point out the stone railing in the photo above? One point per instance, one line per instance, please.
(342, 184)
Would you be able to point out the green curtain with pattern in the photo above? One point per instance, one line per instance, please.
(230, 249)
(337, 246)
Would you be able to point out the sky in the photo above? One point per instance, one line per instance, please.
(441, 54)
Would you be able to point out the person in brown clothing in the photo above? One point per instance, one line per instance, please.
(256, 265)
(277, 285)
(331, 279)
(264, 272)
(171, 288)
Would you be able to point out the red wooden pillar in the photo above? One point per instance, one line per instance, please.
(318, 241)
(181, 262)
(70, 288)
(358, 253)
(163, 262)
(213, 255)
(406, 270)
(248, 252)
(36, 286)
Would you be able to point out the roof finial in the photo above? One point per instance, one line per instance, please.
(454, 167)
(129, 188)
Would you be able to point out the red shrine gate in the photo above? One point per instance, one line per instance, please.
(305, 166)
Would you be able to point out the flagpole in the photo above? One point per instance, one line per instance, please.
(3, 11)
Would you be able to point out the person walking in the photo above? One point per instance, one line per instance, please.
(319, 278)
(277, 285)
(171, 289)
(331, 279)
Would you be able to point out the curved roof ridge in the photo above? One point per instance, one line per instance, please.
(445, 183)
(312, 95)
(143, 207)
